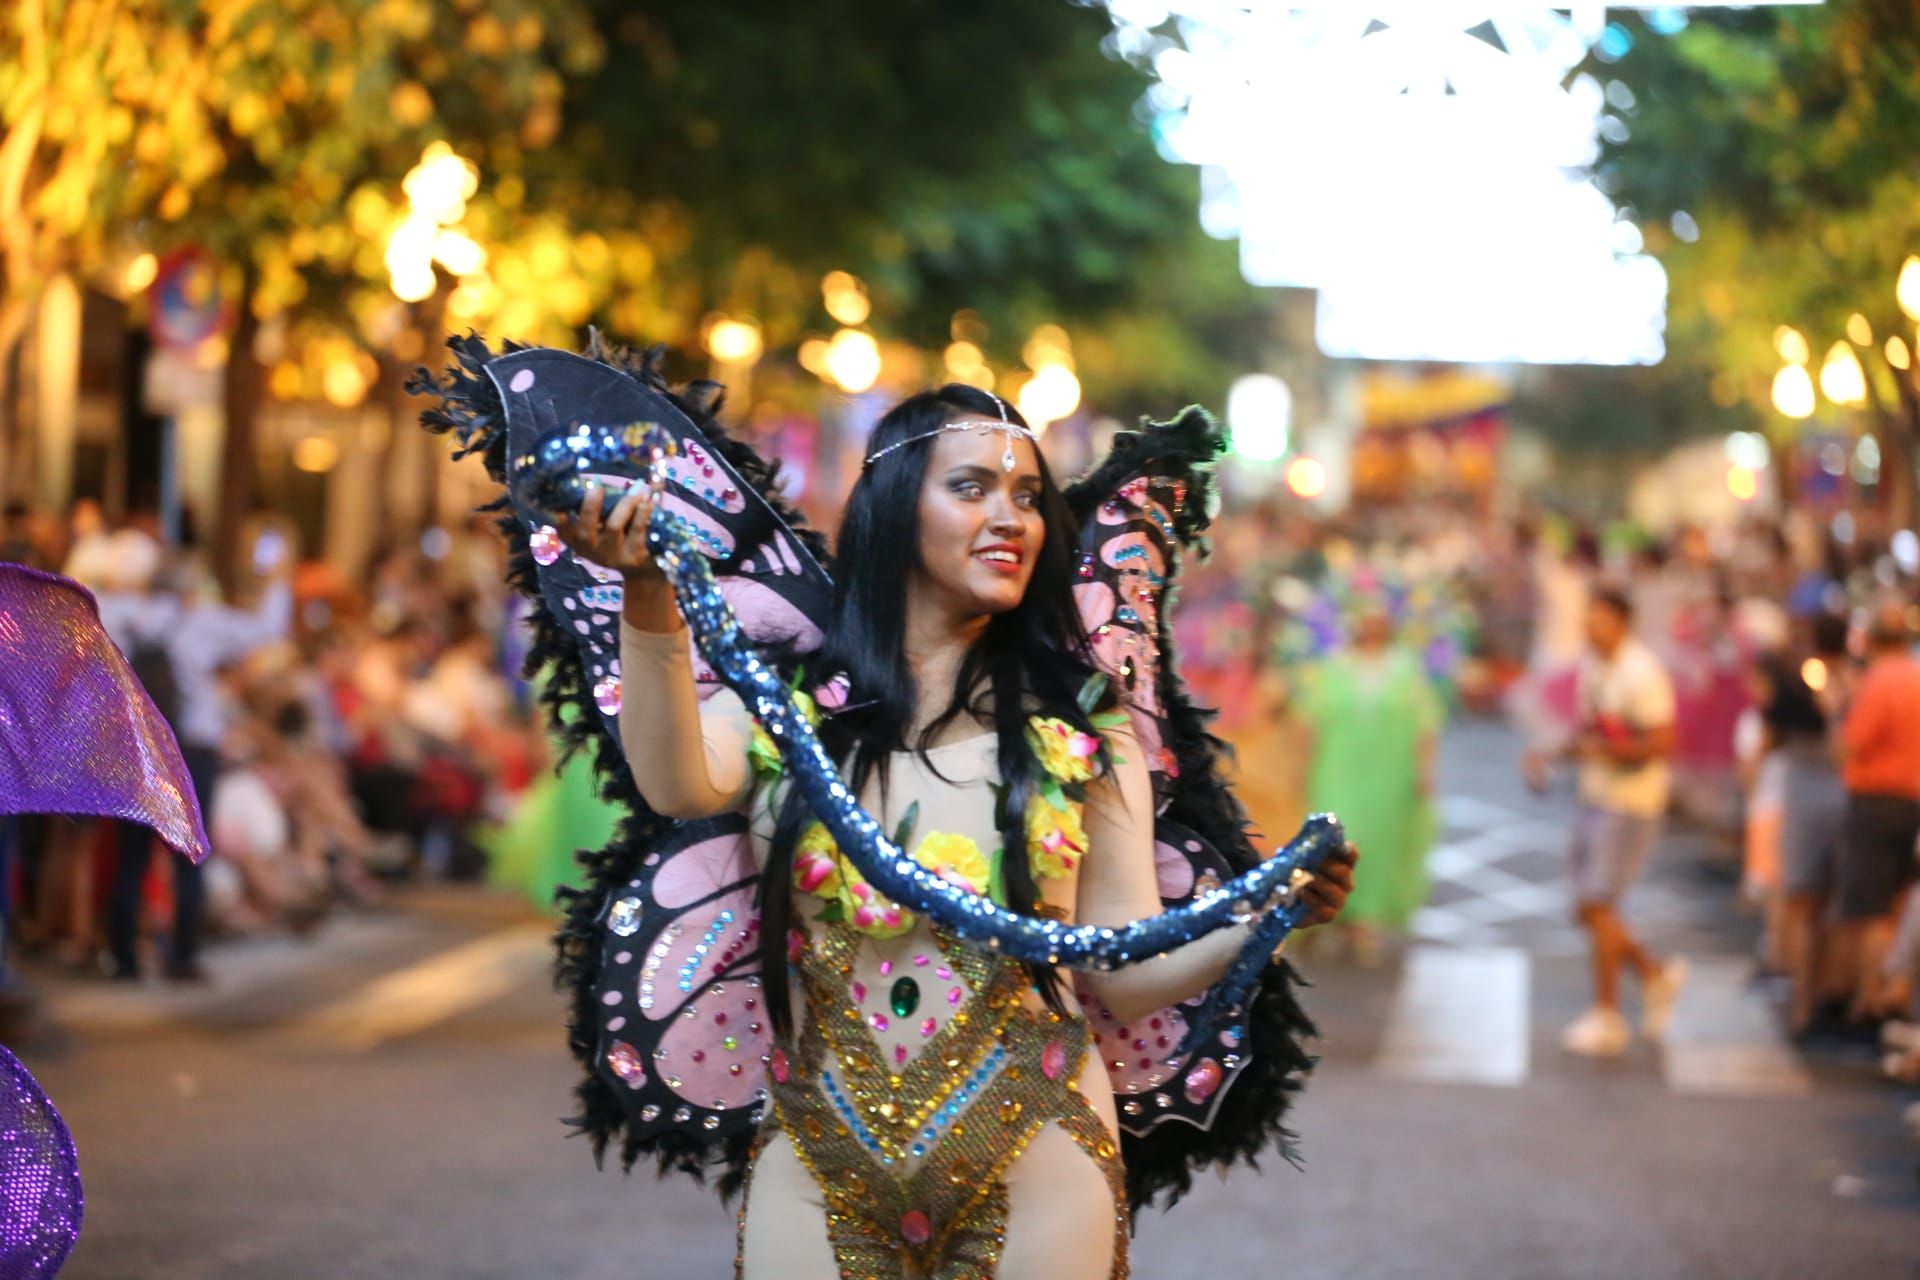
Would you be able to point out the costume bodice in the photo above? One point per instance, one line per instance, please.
(904, 987)
(922, 1068)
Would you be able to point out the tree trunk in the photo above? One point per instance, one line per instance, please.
(244, 390)
(13, 328)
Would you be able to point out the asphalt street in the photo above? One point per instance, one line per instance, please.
(384, 1100)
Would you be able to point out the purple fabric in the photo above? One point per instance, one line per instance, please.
(78, 735)
(40, 1198)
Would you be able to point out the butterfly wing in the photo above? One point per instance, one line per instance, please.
(1143, 508)
(658, 947)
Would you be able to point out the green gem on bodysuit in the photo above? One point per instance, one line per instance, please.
(905, 997)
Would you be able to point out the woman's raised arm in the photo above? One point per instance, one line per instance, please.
(688, 757)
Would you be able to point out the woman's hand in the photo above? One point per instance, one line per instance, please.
(1326, 893)
(619, 541)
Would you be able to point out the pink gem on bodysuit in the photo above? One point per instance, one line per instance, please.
(879, 1021)
(1053, 1060)
(928, 1027)
(606, 696)
(859, 992)
(1202, 1081)
(915, 1227)
(953, 997)
(899, 1055)
(624, 1059)
(777, 1063)
(886, 967)
(545, 544)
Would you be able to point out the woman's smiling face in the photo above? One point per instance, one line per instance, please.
(980, 524)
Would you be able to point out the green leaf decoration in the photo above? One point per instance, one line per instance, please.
(1090, 692)
(997, 877)
(904, 832)
(834, 912)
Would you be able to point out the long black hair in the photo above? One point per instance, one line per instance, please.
(1031, 659)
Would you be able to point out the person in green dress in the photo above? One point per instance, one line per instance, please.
(1373, 718)
(562, 812)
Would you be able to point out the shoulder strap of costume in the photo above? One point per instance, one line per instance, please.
(1145, 506)
(657, 942)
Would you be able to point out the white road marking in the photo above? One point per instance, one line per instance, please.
(1723, 1040)
(1460, 1017)
(438, 988)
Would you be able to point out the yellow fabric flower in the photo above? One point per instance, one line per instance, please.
(955, 859)
(869, 912)
(820, 869)
(816, 863)
(1056, 840)
(1064, 751)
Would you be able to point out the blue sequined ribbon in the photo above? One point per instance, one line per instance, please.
(554, 479)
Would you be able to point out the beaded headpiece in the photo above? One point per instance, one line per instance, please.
(1006, 426)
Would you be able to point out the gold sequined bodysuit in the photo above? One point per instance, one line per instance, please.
(923, 1070)
(925, 1080)
(911, 1157)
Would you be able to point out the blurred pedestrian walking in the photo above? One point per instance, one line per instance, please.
(1626, 716)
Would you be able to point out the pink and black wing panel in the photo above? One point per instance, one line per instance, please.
(1153, 1083)
(777, 589)
(683, 1037)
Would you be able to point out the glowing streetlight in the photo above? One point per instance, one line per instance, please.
(1907, 290)
(1841, 376)
(1897, 353)
(846, 298)
(1048, 345)
(967, 363)
(1792, 345)
(734, 341)
(1793, 391)
(315, 454)
(1748, 449)
(852, 360)
(1260, 412)
(141, 272)
(459, 253)
(1743, 483)
(1307, 477)
(441, 184)
(1048, 396)
(1859, 330)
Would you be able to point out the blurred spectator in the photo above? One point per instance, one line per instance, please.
(1373, 718)
(1626, 734)
(1880, 751)
(201, 636)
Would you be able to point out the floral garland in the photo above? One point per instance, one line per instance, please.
(1056, 836)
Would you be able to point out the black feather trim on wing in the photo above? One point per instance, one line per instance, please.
(1160, 1165)
(467, 406)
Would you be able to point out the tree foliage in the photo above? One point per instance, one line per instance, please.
(1787, 136)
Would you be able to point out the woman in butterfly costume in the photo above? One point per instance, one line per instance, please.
(989, 675)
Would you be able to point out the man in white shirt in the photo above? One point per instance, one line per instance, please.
(197, 636)
(1626, 734)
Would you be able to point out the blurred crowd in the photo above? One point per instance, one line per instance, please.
(350, 736)
(343, 737)
(1768, 664)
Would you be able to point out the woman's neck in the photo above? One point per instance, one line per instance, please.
(937, 642)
